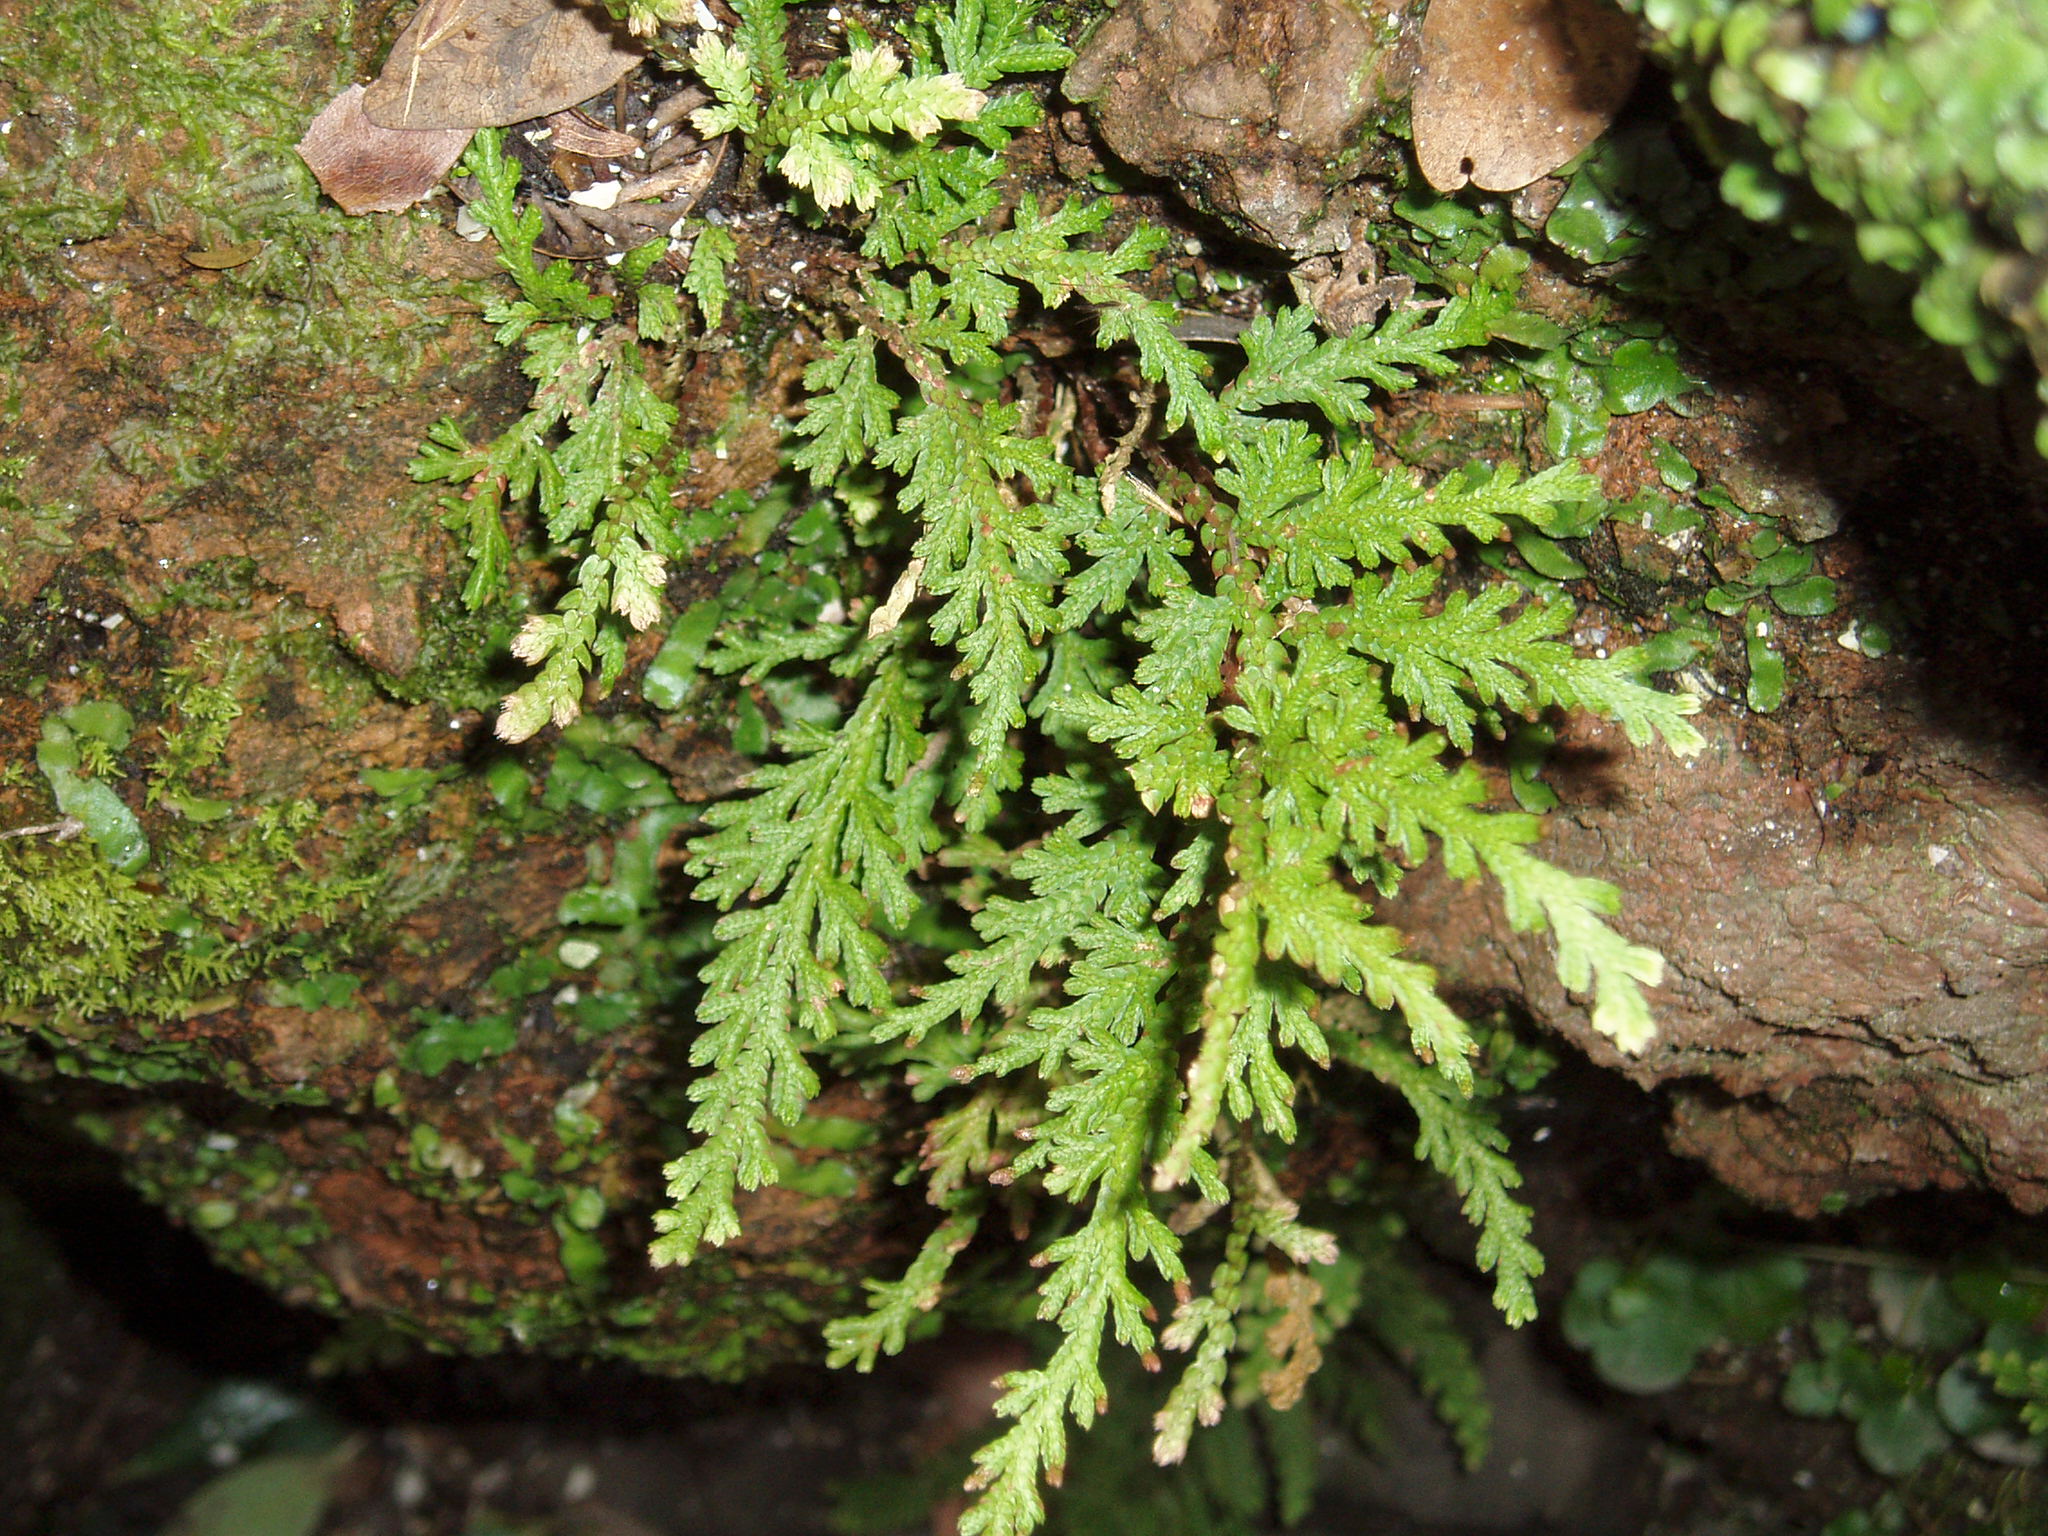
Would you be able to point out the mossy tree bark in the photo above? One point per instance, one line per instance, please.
(290, 1017)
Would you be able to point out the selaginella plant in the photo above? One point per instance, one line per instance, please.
(1163, 708)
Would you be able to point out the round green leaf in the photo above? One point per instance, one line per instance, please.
(1640, 376)
(1786, 565)
(1808, 599)
(1964, 1398)
(1895, 1437)
(1766, 689)
(1546, 557)
(108, 822)
(1673, 467)
(1919, 1311)
(103, 719)
(1812, 1389)
(282, 1495)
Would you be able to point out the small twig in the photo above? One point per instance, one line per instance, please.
(690, 180)
(674, 109)
(1087, 425)
(568, 230)
(627, 224)
(1113, 467)
(1866, 1258)
(437, 21)
(1451, 400)
(63, 831)
(1059, 422)
(580, 134)
(1159, 503)
(1203, 326)
(672, 149)
(1030, 397)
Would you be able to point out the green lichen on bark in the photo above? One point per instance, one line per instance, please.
(177, 121)
(533, 1279)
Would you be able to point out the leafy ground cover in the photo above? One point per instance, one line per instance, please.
(1080, 647)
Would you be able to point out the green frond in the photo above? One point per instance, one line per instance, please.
(1165, 359)
(727, 72)
(989, 552)
(1256, 1086)
(1458, 1137)
(820, 845)
(895, 1305)
(1228, 998)
(1132, 538)
(1072, 884)
(1205, 1325)
(755, 650)
(760, 37)
(588, 451)
(1416, 1326)
(1446, 664)
(1037, 248)
(704, 279)
(1402, 341)
(1103, 1130)
(1591, 957)
(984, 40)
(1311, 919)
(850, 410)
(828, 137)
(1402, 794)
(938, 191)
(1329, 519)
(1613, 686)
(874, 96)
(1285, 364)
(1170, 744)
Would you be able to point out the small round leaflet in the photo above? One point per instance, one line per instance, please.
(1509, 90)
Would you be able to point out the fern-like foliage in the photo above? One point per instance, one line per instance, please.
(828, 136)
(821, 847)
(1226, 649)
(591, 453)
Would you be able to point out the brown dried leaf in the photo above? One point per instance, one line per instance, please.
(1291, 1338)
(1509, 90)
(220, 258)
(371, 169)
(486, 63)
